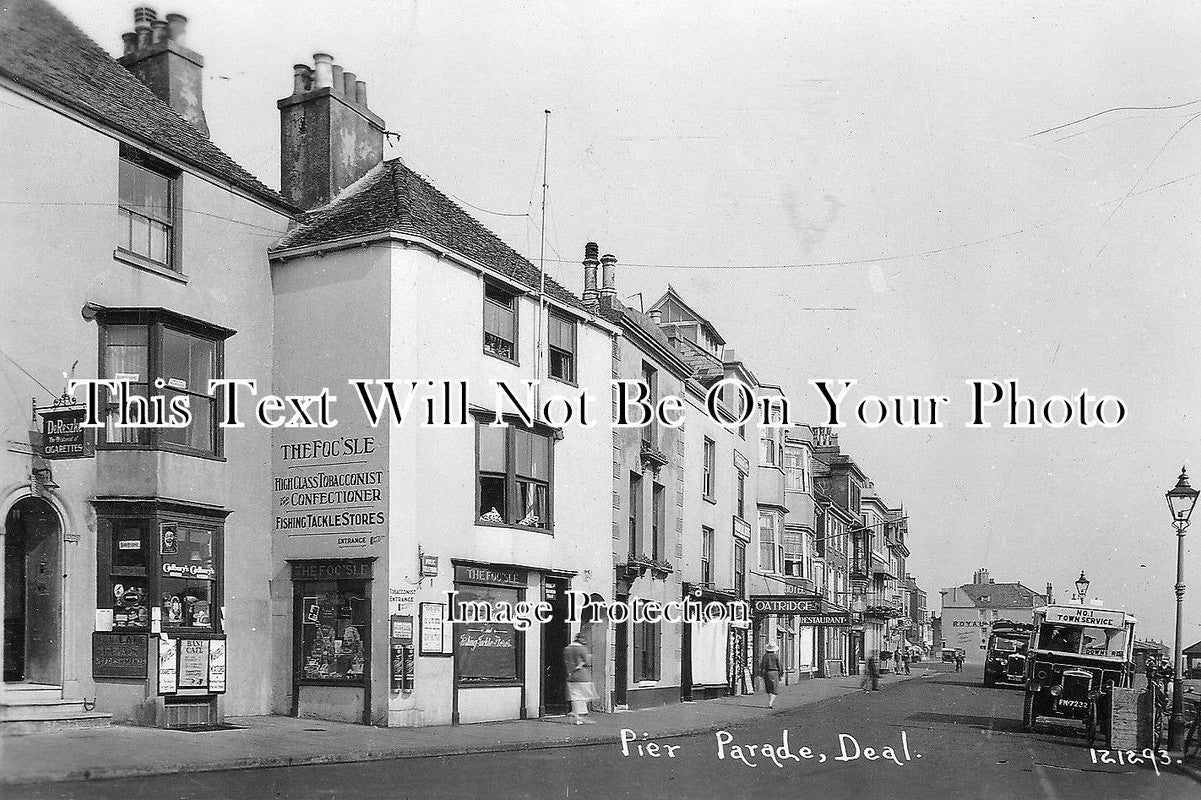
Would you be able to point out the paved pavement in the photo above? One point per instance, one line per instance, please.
(941, 736)
(123, 750)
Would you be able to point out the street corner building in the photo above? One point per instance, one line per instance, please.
(174, 577)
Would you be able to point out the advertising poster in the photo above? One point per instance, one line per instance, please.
(193, 663)
(168, 672)
(217, 666)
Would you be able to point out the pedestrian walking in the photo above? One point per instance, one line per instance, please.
(870, 682)
(906, 662)
(896, 660)
(770, 668)
(578, 662)
(959, 662)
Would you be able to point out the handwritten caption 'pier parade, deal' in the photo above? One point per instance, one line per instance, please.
(757, 754)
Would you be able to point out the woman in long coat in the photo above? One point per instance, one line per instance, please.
(769, 667)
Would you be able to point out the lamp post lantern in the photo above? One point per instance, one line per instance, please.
(1082, 586)
(1181, 499)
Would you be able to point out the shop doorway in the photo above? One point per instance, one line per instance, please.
(33, 593)
(556, 635)
(621, 659)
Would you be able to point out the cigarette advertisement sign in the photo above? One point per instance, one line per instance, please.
(63, 436)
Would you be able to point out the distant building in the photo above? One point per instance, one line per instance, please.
(969, 611)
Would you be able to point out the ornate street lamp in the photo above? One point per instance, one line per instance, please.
(1082, 586)
(1181, 499)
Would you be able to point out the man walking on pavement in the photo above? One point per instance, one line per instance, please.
(871, 674)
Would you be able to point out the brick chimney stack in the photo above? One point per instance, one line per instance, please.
(155, 52)
(329, 138)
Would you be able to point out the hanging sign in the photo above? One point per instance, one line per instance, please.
(62, 434)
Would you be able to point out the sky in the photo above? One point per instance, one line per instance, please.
(890, 162)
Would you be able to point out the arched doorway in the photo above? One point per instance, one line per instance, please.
(33, 590)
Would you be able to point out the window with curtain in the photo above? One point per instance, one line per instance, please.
(794, 553)
(514, 467)
(561, 334)
(146, 208)
(794, 468)
(500, 322)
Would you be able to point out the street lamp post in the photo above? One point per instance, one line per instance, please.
(1181, 499)
(1082, 586)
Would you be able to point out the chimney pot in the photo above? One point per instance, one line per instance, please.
(177, 29)
(324, 70)
(302, 78)
(591, 262)
(608, 292)
(348, 81)
(130, 41)
(656, 315)
(360, 92)
(338, 82)
(143, 16)
(158, 31)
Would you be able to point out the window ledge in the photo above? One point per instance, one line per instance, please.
(135, 260)
(710, 499)
(141, 448)
(499, 357)
(508, 526)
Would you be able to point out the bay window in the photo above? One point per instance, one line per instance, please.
(161, 354)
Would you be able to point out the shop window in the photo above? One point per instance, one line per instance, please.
(562, 337)
(514, 468)
(646, 651)
(162, 355)
(146, 209)
(158, 559)
(500, 322)
(486, 653)
(333, 631)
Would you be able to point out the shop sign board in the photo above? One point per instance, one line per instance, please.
(119, 655)
(492, 576)
(63, 435)
(777, 604)
(332, 569)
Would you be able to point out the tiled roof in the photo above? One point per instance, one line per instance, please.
(393, 197)
(1002, 595)
(43, 50)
